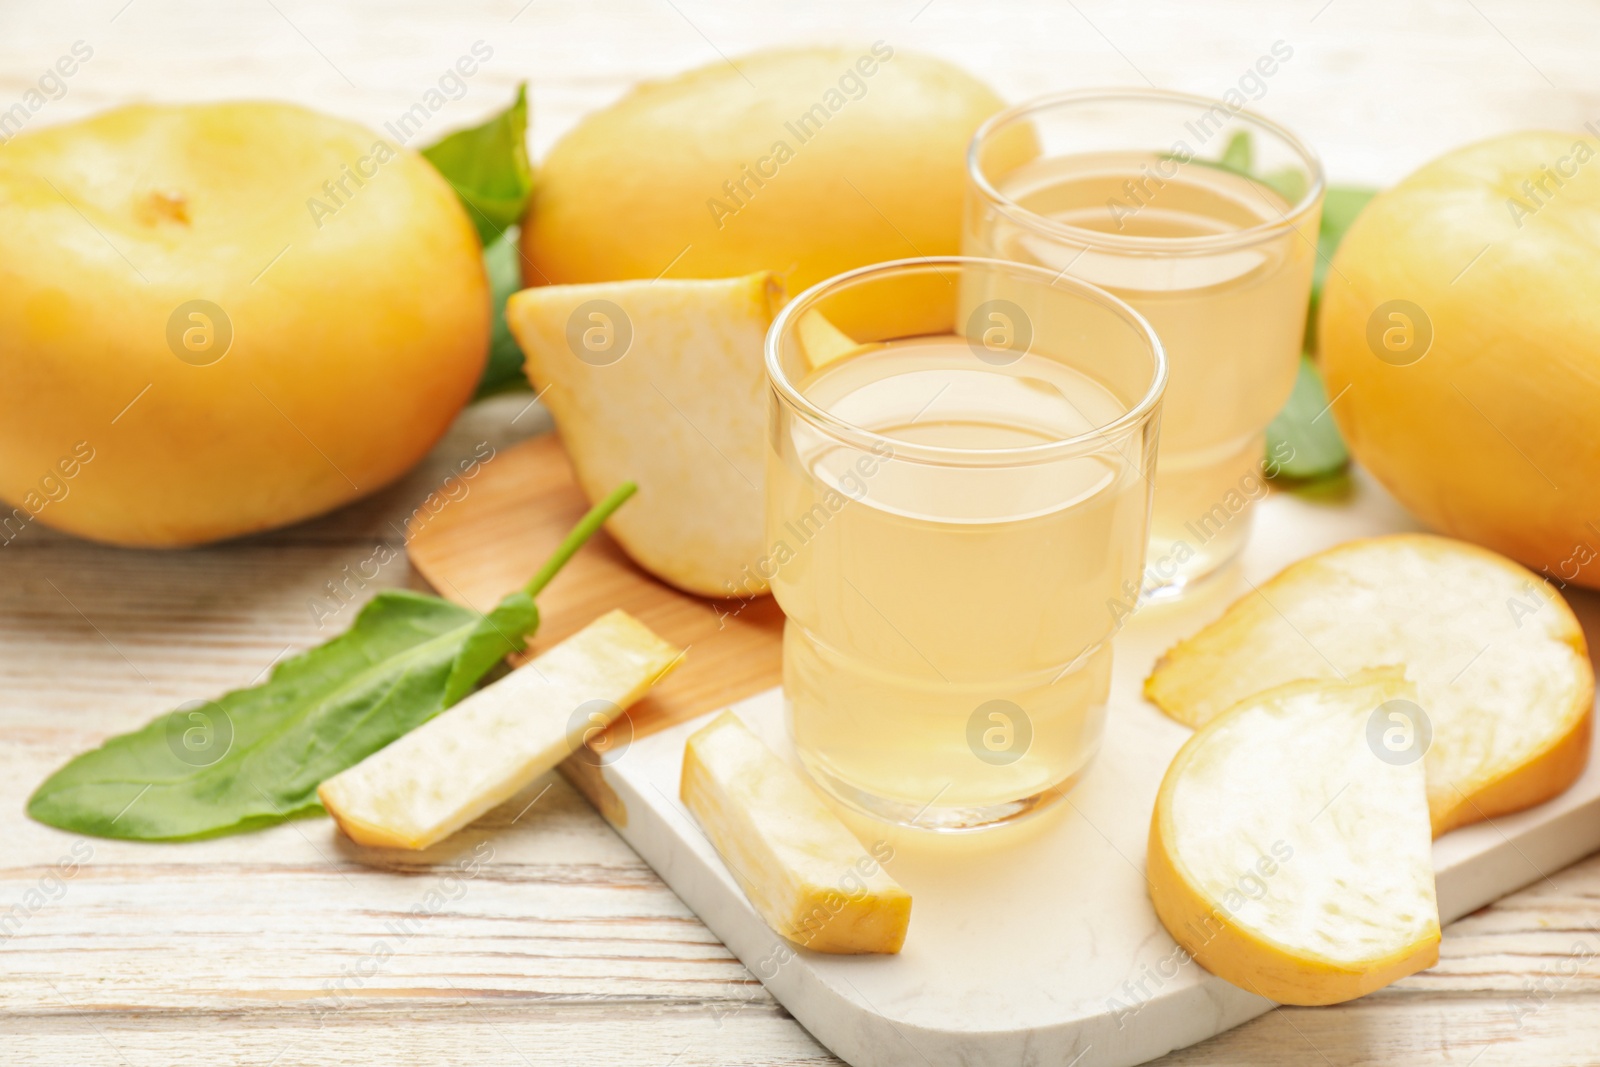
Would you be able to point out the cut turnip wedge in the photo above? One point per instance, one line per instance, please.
(1290, 851)
(663, 380)
(478, 754)
(1496, 655)
(825, 343)
(801, 868)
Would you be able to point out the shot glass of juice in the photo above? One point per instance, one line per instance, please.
(958, 493)
(1203, 217)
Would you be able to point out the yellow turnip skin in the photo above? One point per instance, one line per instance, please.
(806, 162)
(345, 268)
(1460, 338)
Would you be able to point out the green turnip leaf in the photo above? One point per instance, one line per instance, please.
(254, 757)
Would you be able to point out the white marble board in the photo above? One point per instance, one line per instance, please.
(1038, 944)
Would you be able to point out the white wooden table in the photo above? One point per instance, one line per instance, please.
(279, 948)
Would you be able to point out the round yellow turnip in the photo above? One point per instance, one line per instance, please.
(806, 162)
(1460, 338)
(220, 318)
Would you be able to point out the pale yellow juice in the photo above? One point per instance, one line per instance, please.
(1231, 320)
(947, 652)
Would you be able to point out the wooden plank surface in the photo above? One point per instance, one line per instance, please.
(276, 948)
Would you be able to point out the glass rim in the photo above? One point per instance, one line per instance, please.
(1244, 238)
(1090, 440)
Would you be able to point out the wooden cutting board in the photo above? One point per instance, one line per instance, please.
(476, 548)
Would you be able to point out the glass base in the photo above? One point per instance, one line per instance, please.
(1177, 565)
(944, 819)
(1184, 584)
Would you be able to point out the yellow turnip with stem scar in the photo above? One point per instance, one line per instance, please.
(244, 314)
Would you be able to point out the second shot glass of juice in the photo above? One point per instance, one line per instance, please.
(1204, 217)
